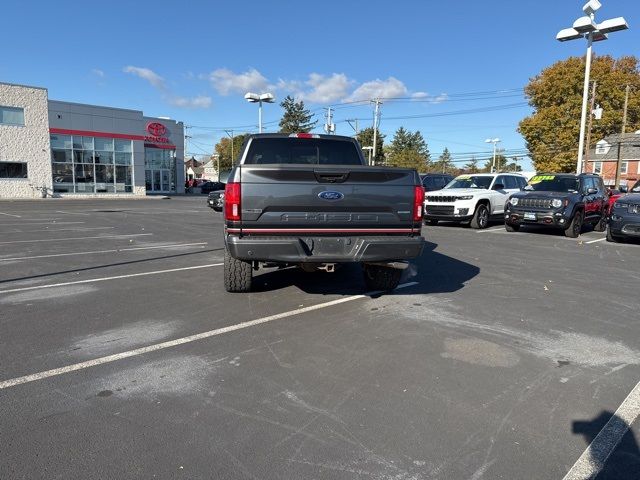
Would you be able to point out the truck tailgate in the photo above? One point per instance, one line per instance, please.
(279, 199)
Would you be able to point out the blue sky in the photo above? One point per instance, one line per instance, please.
(193, 61)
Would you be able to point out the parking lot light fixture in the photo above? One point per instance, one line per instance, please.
(587, 27)
(259, 99)
(494, 141)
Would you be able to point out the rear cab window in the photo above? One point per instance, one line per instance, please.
(302, 151)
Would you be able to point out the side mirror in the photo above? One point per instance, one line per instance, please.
(498, 186)
(591, 191)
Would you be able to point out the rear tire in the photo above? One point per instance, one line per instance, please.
(381, 278)
(433, 222)
(511, 227)
(575, 227)
(601, 226)
(480, 218)
(611, 237)
(238, 274)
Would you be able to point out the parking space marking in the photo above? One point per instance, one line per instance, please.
(104, 279)
(73, 213)
(10, 215)
(181, 341)
(26, 223)
(594, 458)
(597, 240)
(70, 229)
(78, 238)
(492, 229)
(173, 245)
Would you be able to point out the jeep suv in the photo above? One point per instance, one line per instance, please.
(559, 200)
(473, 198)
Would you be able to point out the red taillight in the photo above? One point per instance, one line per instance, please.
(232, 201)
(418, 201)
(304, 135)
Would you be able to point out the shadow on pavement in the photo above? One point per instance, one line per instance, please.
(624, 461)
(434, 272)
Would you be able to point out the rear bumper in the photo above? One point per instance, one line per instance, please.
(323, 249)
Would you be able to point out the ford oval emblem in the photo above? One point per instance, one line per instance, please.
(331, 195)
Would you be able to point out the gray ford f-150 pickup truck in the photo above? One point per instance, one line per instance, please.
(310, 200)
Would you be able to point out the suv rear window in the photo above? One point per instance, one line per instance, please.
(303, 151)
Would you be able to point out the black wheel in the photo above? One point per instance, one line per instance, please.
(611, 237)
(381, 278)
(575, 227)
(480, 217)
(238, 274)
(511, 227)
(433, 222)
(601, 226)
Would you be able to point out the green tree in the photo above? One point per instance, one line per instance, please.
(404, 140)
(552, 131)
(445, 161)
(407, 158)
(223, 148)
(472, 166)
(501, 162)
(296, 118)
(365, 137)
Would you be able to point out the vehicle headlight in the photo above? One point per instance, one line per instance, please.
(514, 201)
(465, 197)
(556, 203)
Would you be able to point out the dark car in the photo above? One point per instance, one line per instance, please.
(208, 187)
(435, 181)
(559, 200)
(614, 195)
(216, 200)
(624, 221)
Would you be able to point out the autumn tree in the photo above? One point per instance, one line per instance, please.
(407, 158)
(223, 149)
(365, 137)
(296, 118)
(552, 131)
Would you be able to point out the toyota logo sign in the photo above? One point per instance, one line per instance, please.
(156, 129)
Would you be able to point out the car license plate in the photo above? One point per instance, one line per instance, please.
(529, 216)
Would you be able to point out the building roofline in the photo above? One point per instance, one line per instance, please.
(23, 86)
(96, 106)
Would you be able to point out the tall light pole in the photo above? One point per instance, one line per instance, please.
(259, 98)
(494, 141)
(586, 27)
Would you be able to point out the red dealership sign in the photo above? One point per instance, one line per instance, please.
(157, 132)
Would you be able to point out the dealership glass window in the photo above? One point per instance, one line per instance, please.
(13, 170)
(104, 157)
(103, 144)
(123, 145)
(61, 156)
(62, 177)
(80, 156)
(123, 158)
(61, 141)
(597, 167)
(11, 116)
(124, 179)
(160, 169)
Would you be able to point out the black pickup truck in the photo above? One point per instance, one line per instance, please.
(311, 201)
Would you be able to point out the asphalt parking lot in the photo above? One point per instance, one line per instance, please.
(502, 355)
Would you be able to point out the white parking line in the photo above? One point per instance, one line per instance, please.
(180, 341)
(10, 215)
(492, 229)
(104, 279)
(105, 251)
(594, 458)
(594, 241)
(73, 213)
(70, 229)
(25, 223)
(78, 238)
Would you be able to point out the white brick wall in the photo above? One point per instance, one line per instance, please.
(28, 143)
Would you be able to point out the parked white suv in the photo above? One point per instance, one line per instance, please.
(473, 198)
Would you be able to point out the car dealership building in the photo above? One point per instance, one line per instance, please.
(69, 149)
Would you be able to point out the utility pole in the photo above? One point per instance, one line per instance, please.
(588, 144)
(375, 126)
(329, 127)
(349, 120)
(624, 127)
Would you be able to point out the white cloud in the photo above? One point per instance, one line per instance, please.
(97, 72)
(426, 97)
(226, 82)
(327, 89)
(200, 101)
(147, 74)
(389, 88)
